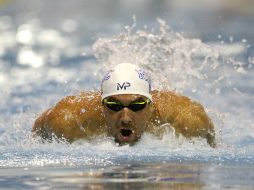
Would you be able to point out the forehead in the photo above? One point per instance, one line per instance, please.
(126, 98)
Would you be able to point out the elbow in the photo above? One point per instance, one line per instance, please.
(210, 137)
(40, 130)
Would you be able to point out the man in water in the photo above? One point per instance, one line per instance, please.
(124, 109)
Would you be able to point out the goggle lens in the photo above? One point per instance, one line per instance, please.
(117, 106)
(114, 107)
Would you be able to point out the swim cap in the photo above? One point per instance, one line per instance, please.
(126, 78)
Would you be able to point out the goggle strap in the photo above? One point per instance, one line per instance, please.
(116, 103)
(140, 103)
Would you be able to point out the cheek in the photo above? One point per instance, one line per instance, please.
(110, 119)
(142, 121)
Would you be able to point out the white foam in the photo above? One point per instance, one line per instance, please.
(198, 70)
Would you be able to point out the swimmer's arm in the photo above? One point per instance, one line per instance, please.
(72, 118)
(193, 121)
(40, 127)
(58, 122)
(187, 117)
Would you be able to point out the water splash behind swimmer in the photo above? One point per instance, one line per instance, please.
(188, 66)
(165, 53)
(175, 62)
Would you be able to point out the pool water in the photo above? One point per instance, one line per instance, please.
(49, 50)
(131, 176)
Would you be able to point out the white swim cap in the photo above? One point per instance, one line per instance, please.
(126, 78)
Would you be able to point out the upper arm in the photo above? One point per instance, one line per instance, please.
(186, 116)
(58, 121)
(72, 118)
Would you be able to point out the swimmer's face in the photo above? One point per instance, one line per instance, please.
(127, 124)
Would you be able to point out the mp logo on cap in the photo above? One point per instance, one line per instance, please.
(123, 85)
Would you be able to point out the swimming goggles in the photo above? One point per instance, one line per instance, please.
(117, 106)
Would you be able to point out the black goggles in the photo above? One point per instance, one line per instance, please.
(117, 106)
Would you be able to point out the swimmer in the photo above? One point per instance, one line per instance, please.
(124, 109)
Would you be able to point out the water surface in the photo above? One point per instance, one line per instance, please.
(47, 54)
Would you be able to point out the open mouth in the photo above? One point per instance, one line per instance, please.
(126, 132)
(125, 136)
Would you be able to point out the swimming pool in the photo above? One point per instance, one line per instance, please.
(47, 54)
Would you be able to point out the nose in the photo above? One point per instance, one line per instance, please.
(125, 118)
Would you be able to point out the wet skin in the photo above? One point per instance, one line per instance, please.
(85, 117)
(127, 125)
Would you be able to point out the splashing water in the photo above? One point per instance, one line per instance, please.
(193, 68)
(188, 66)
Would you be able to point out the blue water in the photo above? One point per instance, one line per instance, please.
(52, 49)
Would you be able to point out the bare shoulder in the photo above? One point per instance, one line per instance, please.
(73, 117)
(188, 117)
(169, 104)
